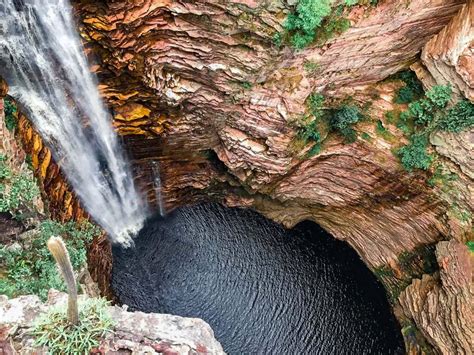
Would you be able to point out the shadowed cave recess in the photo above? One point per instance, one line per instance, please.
(262, 288)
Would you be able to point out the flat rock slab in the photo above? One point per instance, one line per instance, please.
(134, 332)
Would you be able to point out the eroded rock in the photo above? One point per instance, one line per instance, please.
(134, 332)
(442, 307)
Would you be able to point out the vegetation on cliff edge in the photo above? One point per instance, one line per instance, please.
(18, 191)
(30, 268)
(26, 266)
(53, 330)
(315, 21)
(322, 119)
(426, 115)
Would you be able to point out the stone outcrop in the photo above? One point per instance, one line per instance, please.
(449, 56)
(201, 87)
(133, 333)
(444, 311)
(189, 81)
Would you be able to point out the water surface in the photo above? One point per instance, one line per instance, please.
(263, 289)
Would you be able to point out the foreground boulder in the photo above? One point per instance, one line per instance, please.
(134, 332)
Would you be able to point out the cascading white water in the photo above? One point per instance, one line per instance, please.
(42, 60)
(155, 167)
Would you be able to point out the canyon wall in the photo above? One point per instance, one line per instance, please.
(202, 88)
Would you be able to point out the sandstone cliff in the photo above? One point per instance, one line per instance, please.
(202, 88)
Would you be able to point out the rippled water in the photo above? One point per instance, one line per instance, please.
(262, 289)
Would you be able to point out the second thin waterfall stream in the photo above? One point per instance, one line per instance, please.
(42, 60)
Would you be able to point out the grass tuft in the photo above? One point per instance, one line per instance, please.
(53, 330)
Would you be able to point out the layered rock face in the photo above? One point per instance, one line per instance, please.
(201, 87)
(191, 80)
(444, 311)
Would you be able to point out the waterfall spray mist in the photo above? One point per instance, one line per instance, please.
(42, 59)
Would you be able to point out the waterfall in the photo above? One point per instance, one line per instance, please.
(155, 167)
(42, 59)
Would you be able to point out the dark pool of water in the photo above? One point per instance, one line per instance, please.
(263, 289)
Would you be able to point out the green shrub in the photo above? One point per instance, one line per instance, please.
(308, 16)
(333, 25)
(10, 111)
(308, 128)
(428, 114)
(440, 95)
(412, 90)
(34, 270)
(470, 246)
(17, 191)
(53, 330)
(343, 118)
(315, 104)
(414, 155)
(458, 118)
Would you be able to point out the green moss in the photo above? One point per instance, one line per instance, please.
(442, 178)
(383, 132)
(246, 85)
(470, 246)
(311, 67)
(460, 213)
(411, 265)
(365, 136)
(391, 117)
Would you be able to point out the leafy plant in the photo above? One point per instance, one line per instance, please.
(33, 270)
(17, 191)
(414, 155)
(426, 114)
(53, 330)
(308, 127)
(10, 111)
(308, 16)
(412, 90)
(458, 118)
(343, 118)
(333, 24)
